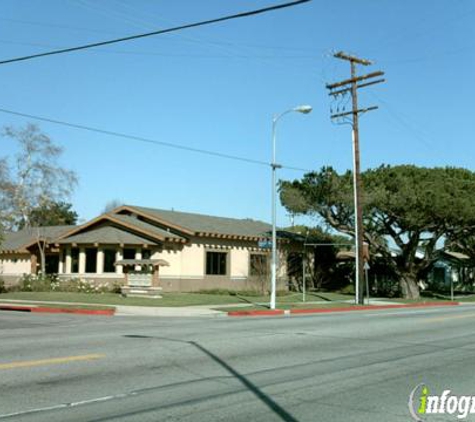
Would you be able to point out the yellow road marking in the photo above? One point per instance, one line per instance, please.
(447, 318)
(52, 361)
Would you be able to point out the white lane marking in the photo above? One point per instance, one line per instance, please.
(68, 405)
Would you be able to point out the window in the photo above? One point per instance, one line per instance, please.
(74, 260)
(91, 260)
(109, 260)
(146, 253)
(216, 263)
(129, 253)
(258, 265)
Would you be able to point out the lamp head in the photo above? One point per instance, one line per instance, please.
(305, 109)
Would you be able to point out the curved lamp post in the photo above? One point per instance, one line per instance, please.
(304, 109)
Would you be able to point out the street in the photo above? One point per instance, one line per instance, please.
(356, 366)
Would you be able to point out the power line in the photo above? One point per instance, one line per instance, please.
(172, 55)
(194, 39)
(159, 32)
(149, 140)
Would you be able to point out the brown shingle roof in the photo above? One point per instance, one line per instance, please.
(107, 235)
(17, 241)
(154, 230)
(199, 223)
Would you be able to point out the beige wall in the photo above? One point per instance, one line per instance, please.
(189, 261)
(15, 264)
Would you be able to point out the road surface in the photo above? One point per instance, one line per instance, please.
(358, 366)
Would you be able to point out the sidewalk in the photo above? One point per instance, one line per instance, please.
(203, 310)
(185, 311)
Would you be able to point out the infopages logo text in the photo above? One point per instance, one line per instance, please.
(422, 403)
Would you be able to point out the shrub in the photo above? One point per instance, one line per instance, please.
(38, 283)
(51, 283)
(3, 289)
(79, 285)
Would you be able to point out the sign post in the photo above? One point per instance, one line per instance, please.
(366, 268)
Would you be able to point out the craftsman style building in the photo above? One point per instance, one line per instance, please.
(202, 252)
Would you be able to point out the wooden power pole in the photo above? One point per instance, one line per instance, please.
(338, 89)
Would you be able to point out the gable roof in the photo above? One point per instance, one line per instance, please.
(20, 240)
(141, 225)
(126, 223)
(200, 224)
(164, 234)
(107, 235)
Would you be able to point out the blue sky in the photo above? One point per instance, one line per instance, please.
(217, 88)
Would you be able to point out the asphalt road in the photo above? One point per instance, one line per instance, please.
(357, 366)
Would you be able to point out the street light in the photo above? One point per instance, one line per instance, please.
(304, 109)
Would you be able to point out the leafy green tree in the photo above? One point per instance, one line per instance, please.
(52, 214)
(409, 207)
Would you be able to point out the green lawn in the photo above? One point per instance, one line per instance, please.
(169, 299)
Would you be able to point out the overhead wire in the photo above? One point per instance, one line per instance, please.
(93, 30)
(168, 55)
(228, 50)
(158, 32)
(149, 140)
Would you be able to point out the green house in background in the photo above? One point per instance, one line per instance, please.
(452, 268)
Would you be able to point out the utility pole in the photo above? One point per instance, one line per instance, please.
(351, 86)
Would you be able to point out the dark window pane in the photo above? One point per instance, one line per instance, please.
(74, 260)
(216, 263)
(109, 260)
(129, 253)
(51, 264)
(91, 260)
(146, 253)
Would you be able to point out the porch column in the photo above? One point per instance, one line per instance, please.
(118, 257)
(138, 255)
(61, 262)
(82, 260)
(68, 260)
(100, 260)
(34, 263)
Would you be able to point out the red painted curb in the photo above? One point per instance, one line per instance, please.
(107, 312)
(257, 313)
(341, 309)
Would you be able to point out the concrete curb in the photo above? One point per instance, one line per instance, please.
(266, 312)
(42, 309)
(273, 312)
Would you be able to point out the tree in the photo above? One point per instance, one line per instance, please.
(110, 205)
(409, 207)
(52, 214)
(31, 180)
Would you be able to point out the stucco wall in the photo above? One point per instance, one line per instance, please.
(15, 264)
(189, 261)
